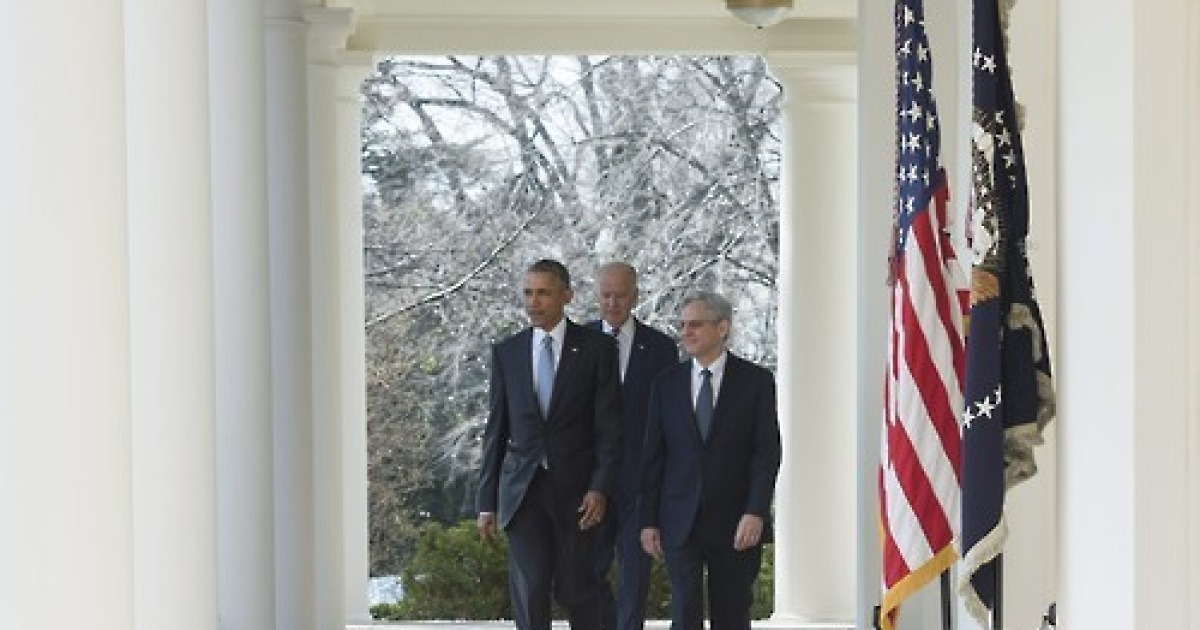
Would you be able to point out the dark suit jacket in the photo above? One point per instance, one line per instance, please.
(689, 483)
(652, 352)
(579, 441)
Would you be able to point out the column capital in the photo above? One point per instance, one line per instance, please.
(809, 77)
(353, 68)
(328, 31)
(813, 42)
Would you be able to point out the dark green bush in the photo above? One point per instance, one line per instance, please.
(390, 612)
(454, 575)
(764, 587)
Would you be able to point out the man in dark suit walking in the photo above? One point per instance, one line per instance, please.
(644, 352)
(712, 457)
(550, 453)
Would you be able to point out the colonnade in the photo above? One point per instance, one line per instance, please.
(181, 381)
(201, 384)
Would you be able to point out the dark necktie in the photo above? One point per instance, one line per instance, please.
(545, 373)
(704, 404)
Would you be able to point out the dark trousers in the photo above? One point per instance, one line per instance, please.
(731, 576)
(548, 553)
(619, 537)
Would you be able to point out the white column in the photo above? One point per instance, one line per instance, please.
(327, 36)
(1193, 307)
(1127, 374)
(291, 329)
(245, 514)
(65, 377)
(815, 505)
(352, 333)
(339, 340)
(171, 315)
(876, 160)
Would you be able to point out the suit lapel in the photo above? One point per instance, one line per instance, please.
(687, 401)
(637, 350)
(524, 360)
(724, 393)
(568, 364)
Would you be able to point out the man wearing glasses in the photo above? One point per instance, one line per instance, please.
(711, 458)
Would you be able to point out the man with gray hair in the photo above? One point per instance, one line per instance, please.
(712, 455)
(643, 353)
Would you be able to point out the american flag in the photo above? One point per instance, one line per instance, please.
(920, 445)
(1009, 395)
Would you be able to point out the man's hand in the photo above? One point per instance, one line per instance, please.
(652, 541)
(749, 532)
(486, 523)
(591, 511)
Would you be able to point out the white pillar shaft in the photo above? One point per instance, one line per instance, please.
(291, 331)
(245, 523)
(170, 253)
(815, 506)
(65, 429)
(354, 509)
(1126, 368)
(876, 168)
(327, 33)
(1164, 169)
(1193, 306)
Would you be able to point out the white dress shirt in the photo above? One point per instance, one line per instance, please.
(558, 335)
(624, 341)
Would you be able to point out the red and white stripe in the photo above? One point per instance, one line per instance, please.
(920, 444)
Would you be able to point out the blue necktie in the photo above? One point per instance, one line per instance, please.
(704, 404)
(545, 373)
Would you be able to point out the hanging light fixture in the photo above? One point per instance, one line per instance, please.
(759, 13)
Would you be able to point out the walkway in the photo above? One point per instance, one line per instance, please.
(562, 625)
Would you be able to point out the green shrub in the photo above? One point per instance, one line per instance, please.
(454, 575)
(658, 594)
(764, 587)
(390, 612)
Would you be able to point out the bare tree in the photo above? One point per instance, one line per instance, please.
(476, 166)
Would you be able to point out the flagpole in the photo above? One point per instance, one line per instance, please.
(946, 625)
(998, 608)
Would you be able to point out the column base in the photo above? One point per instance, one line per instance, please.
(795, 622)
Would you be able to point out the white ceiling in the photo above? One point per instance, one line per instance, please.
(598, 26)
(582, 8)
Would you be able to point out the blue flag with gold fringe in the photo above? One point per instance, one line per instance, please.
(1009, 396)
